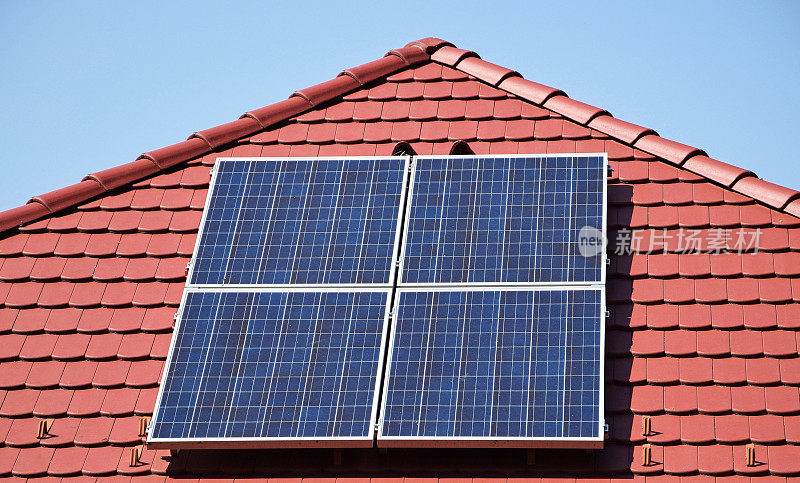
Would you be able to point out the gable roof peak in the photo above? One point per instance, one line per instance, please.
(414, 53)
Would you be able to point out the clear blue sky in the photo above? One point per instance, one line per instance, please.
(90, 85)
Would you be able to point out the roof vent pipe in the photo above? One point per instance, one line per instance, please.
(461, 148)
(403, 149)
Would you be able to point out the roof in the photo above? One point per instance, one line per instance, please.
(705, 345)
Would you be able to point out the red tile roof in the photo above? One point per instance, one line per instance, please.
(706, 345)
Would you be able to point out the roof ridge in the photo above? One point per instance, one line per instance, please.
(434, 49)
(206, 141)
(644, 139)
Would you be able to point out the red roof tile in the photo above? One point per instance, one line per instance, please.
(67, 461)
(696, 370)
(782, 399)
(14, 374)
(102, 460)
(48, 269)
(747, 399)
(150, 294)
(410, 91)
(79, 269)
(437, 90)
(95, 319)
(52, 403)
(723, 215)
(12, 343)
(110, 269)
(126, 320)
(784, 460)
(86, 402)
(732, 428)
(140, 269)
(163, 245)
(56, 294)
(714, 399)
(463, 130)
(122, 403)
(647, 399)
(32, 461)
(103, 346)
(144, 373)
(19, 403)
(12, 245)
(125, 221)
(93, 431)
(146, 401)
(155, 221)
(792, 429)
(662, 317)
(680, 399)
(16, 269)
(199, 197)
(383, 92)
(715, 459)
(118, 294)
(763, 371)
(23, 294)
(102, 244)
(662, 370)
(31, 320)
(71, 346)
(147, 199)
(767, 429)
(94, 221)
(135, 346)
(78, 374)
(117, 202)
(434, 131)
(39, 346)
(21, 432)
(62, 320)
(66, 222)
(133, 245)
(681, 459)
(166, 180)
(45, 374)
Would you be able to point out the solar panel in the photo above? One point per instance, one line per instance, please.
(301, 222)
(273, 369)
(513, 367)
(505, 219)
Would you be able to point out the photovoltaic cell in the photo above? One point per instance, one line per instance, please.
(501, 364)
(301, 221)
(490, 219)
(273, 366)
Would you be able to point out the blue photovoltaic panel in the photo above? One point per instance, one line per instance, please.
(504, 365)
(505, 220)
(273, 366)
(301, 221)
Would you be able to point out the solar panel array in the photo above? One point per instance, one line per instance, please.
(301, 221)
(500, 220)
(497, 364)
(492, 326)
